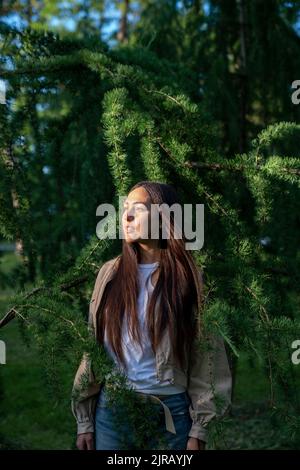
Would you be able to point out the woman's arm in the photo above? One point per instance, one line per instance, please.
(85, 388)
(83, 409)
(209, 387)
(85, 391)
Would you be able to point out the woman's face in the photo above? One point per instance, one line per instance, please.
(136, 216)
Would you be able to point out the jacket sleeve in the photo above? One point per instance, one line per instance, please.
(85, 390)
(209, 386)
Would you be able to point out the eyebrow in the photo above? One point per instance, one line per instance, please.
(136, 202)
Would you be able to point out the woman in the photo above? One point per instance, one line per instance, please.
(152, 292)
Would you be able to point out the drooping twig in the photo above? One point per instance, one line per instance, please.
(12, 312)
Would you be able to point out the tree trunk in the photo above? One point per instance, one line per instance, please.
(242, 76)
(123, 32)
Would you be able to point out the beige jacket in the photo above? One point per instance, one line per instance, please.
(205, 369)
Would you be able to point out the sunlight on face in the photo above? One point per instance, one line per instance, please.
(136, 215)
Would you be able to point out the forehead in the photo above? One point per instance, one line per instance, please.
(138, 195)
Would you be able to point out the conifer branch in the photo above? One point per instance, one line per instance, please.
(233, 167)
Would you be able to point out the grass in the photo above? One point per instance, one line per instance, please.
(29, 418)
(27, 413)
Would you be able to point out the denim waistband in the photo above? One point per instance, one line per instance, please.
(158, 399)
(168, 415)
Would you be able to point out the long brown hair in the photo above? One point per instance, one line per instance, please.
(179, 286)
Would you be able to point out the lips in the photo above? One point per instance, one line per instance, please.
(129, 229)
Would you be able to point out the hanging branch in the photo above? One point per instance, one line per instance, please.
(231, 166)
(63, 288)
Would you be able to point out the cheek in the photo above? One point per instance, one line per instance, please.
(123, 218)
(143, 223)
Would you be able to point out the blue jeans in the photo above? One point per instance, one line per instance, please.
(110, 437)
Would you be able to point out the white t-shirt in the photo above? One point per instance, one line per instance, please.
(141, 365)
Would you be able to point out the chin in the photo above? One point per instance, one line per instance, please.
(130, 239)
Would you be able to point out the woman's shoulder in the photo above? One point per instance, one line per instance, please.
(109, 264)
(104, 272)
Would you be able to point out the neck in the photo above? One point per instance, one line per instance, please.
(148, 254)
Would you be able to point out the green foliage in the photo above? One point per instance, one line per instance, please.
(82, 124)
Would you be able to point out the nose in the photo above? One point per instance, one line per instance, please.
(129, 218)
